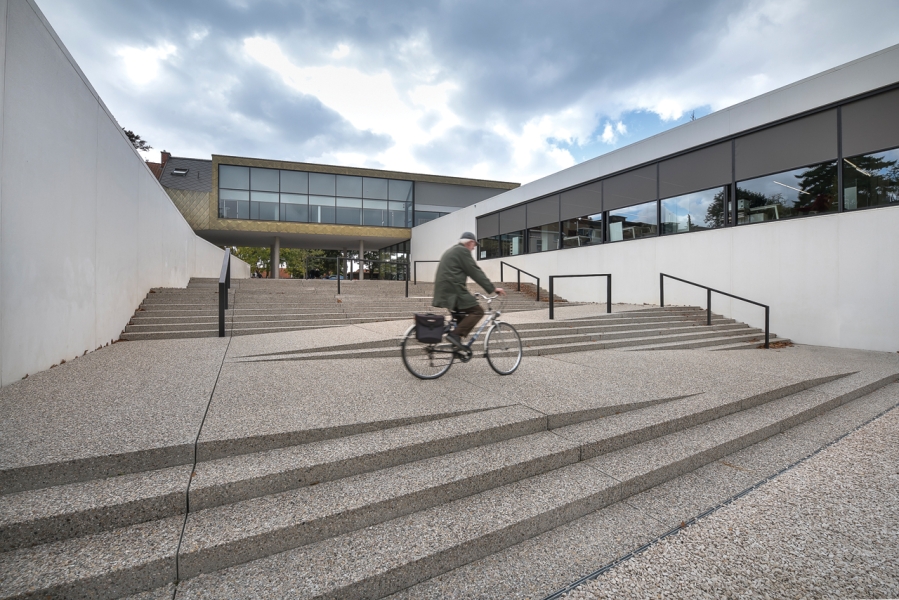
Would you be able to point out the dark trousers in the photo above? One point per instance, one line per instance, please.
(473, 316)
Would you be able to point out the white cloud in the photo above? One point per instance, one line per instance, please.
(340, 51)
(142, 64)
(612, 131)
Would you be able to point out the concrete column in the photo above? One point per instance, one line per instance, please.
(361, 264)
(276, 258)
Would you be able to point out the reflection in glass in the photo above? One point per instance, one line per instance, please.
(543, 238)
(375, 188)
(399, 213)
(400, 190)
(264, 206)
(236, 178)
(349, 211)
(489, 248)
(796, 193)
(633, 222)
(871, 180)
(294, 207)
(321, 209)
(374, 213)
(234, 204)
(294, 182)
(583, 231)
(265, 180)
(349, 186)
(512, 244)
(694, 212)
(424, 216)
(321, 184)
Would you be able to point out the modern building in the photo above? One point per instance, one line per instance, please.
(236, 201)
(790, 199)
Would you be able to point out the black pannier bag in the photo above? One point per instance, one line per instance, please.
(429, 328)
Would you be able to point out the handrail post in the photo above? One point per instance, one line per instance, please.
(662, 290)
(519, 280)
(538, 289)
(415, 271)
(608, 294)
(708, 316)
(500, 271)
(551, 296)
(338, 275)
(223, 299)
(766, 327)
(406, 277)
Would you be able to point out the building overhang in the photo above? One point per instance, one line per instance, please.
(236, 232)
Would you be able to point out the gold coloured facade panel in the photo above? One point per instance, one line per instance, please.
(195, 206)
(276, 227)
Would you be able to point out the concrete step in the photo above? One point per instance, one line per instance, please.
(379, 559)
(380, 531)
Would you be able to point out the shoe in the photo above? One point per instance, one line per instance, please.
(456, 341)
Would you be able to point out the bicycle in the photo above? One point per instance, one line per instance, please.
(502, 347)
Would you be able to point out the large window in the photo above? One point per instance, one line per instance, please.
(796, 193)
(489, 247)
(633, 222)
(694, 212)
(583, 231)
(301, 197)
(871, 180)
(512, 243)
(543, 238)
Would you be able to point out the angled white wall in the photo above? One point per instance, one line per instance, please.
(85, 228)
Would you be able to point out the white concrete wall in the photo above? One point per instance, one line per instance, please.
(829, 280)
(85, 228)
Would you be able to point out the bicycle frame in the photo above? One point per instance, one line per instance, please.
(493, 316)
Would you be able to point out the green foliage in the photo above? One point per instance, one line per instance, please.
(136, 140)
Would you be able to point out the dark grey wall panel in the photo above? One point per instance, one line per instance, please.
(543, 212)
(582, 201)
(444, 194)
(633, 187)
(699, 170)
(488, 226)
(871, 124)
(806, 141)
(512, 219)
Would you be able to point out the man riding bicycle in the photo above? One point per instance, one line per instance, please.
(451, 287)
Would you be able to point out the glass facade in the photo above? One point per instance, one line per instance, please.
(543, 238)
(424, 216)
(583, 231)
(694, 212)
(511, 244)
(633, 222)
(296, 196)
(871, 180)
(726, 184)
(789, 194)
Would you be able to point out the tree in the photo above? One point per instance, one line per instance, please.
(136, 141)
(819, 189)
(714, 214)
(259, 259)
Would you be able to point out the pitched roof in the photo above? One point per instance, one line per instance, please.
(198, 177)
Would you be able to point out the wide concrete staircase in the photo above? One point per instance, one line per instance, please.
(446, 501)
(271, 305)
(672, 328)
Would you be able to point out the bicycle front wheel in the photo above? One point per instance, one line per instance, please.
(502, 346)
(426, 361)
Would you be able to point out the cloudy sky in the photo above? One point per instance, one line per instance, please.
(474, 88)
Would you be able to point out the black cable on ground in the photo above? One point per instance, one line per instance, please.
(196, 449)
(611, 565)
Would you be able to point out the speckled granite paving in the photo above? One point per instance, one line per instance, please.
(825, 529)
(352, 478)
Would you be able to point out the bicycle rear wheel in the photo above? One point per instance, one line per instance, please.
(502, 346)
(426, 361)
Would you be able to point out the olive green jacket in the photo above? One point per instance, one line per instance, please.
(451, 281)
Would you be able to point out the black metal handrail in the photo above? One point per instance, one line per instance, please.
(224, 286)
(608, 277)
(709, 291)
(415, 268)
(520, 271)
